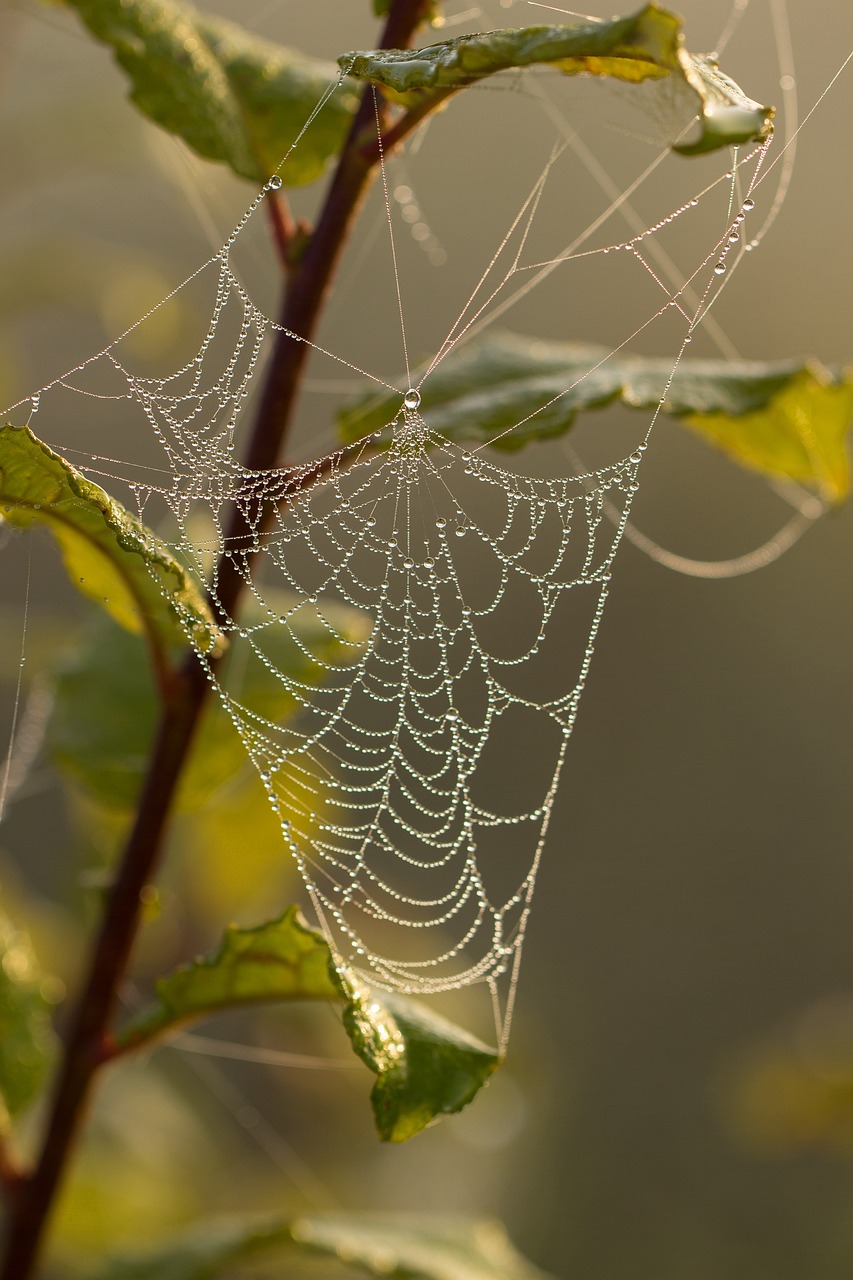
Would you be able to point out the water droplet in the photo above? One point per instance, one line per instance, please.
(408, 563)
(461, 531)
(429, 564)
(452, 713)
(734, 237)
(274, 183)
(412, 399)
(748, 204)
(636, 457)
(688, 338)
(720, 268)
(440, 524)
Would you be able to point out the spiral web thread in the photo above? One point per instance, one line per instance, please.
(417, 616)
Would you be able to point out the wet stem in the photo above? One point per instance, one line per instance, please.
(30, 1195)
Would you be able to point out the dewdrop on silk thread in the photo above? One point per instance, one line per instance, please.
(422, 592)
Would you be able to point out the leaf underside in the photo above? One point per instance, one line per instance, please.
(646, 46)
(783, 418)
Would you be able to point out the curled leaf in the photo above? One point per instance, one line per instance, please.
(645, 46)
(425, 1066)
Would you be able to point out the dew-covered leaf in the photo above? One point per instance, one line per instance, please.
(229, 95)
(421, 1246)
(26, 1035)
(280, 960)
(647, 45)
(784, 418)
(426, 1067)
(109, 556)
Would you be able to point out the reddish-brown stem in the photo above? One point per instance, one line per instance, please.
(304, 299)
(283, 227)
(10, 1175)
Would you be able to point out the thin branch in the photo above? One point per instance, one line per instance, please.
(307, 290)
(10, 1174)
(283, 225)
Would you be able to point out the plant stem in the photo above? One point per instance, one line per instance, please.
(34, 1195)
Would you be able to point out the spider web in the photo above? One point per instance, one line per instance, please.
(393, 752)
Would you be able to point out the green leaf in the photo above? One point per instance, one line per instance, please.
(230, 96)
(786, 418)
(420, 1246)
(647, 45)
(201, 1254)
(108, 554)
(414, 1246)
(27, 1041)
(106, 754)
(280, 960)
(425, 1066)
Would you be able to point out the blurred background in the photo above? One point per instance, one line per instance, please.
(678, 1098)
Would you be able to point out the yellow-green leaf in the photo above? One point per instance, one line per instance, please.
(106, 753)
(27, 1041)
(413, 1246)
(786, 418)
(109, 556)
(418, 1245)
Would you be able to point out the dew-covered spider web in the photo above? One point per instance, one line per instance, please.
(420, 608)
